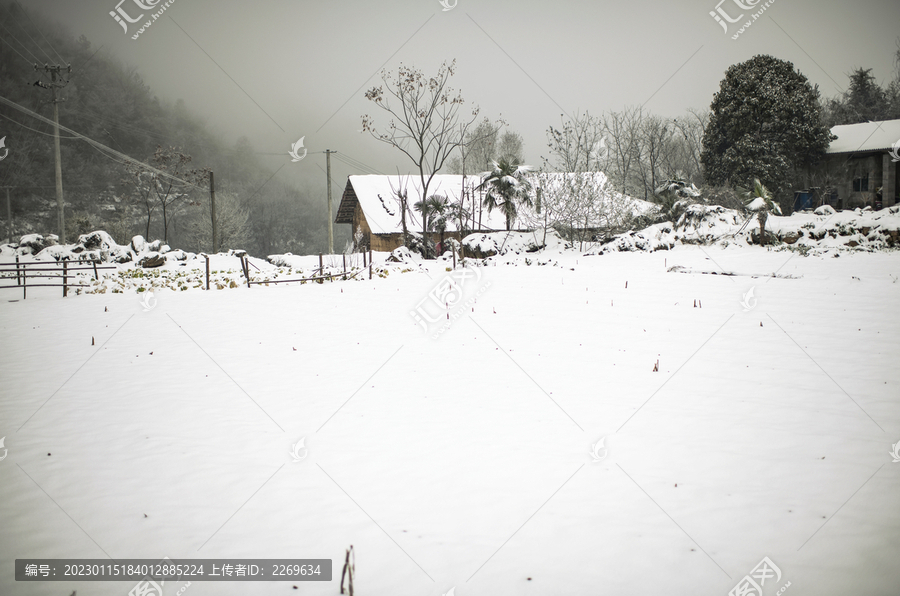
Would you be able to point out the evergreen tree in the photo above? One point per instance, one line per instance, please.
(765, 123)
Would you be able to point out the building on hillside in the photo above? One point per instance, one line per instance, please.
(860, 167)
(370, 204)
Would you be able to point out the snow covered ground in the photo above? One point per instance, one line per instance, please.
(468, 457)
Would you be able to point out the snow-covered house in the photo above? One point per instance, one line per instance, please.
(370, 204)
(862, 165)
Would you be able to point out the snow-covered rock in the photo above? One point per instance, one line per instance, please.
(138, 244)
(823, 230)
(35, 243)
(501, 243)
(400, 255)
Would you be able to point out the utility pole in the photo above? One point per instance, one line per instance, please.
(212, 207)
(55, 71)
(330, 225)
(8, 218)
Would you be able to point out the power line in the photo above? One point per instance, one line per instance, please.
(82, 65)
(357, 164)
(361, 163)
(16, 51)
(25, 31)
(97, 145)
(46, 134)
(36, 59)
(45, 38)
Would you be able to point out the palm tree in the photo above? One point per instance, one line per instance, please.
(433, 211)
(507, 185)
(438, 208)
(424, 208)
(759, 199)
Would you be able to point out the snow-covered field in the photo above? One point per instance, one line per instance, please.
(471, 460)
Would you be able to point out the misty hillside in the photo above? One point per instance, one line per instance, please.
(107, 101)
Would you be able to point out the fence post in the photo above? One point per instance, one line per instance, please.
(364, 260)
(18, 276)
(344, 255)
(207, 271)
(454, 258)
(94, 261)
(65, 278)
(24, 279)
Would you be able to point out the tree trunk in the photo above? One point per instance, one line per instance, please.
(403, 219)
(762, 216)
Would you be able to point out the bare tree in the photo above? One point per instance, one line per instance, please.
(168, 193)
(578, 145)
(402, 198)
(142, 191)
(655, 147)
(690, 128)
(580, 206)
(574, 201)
(511, 147)
(623, 136)
(232, 223)
(426, 125)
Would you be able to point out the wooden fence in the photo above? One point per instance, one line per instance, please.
(63, 270)
(345, 275)
(47, 270)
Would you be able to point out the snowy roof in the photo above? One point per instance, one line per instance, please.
(867, 136)
(379, 203)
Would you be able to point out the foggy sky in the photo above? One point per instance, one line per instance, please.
(276, 70)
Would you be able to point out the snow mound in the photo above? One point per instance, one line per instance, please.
(821, 231)
(400, 255)
(35, 243)
(501, 243)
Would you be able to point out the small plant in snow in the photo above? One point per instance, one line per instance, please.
(759, 200)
